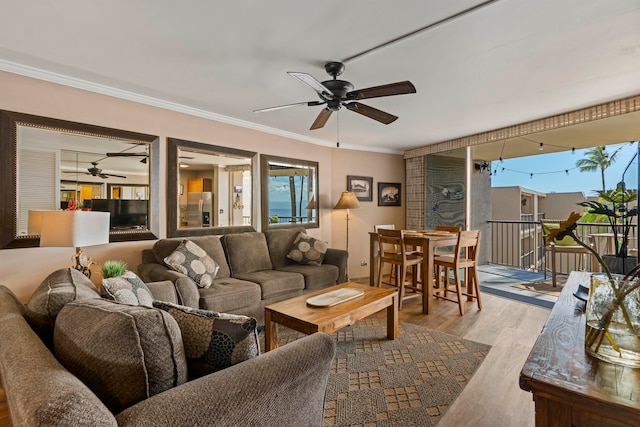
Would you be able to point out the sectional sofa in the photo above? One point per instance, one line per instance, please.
(254, 270)
(110, 364)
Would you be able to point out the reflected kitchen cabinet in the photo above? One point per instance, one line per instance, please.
(199, 185)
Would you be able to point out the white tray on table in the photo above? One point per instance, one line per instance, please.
(334, 297)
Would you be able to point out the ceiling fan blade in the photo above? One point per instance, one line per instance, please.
(310, 81)
(127, 154)
(321, 119)
(372, 113)
(399, 88)
(297, 104)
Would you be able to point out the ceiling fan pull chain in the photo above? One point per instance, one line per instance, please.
(338, 129)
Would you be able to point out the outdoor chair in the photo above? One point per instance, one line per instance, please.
(565, 246)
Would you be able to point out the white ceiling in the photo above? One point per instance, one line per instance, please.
(507, 62)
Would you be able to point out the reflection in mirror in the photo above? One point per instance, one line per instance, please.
(213, 189)
(50, 164)
(289, 192)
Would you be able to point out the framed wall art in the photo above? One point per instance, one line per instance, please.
(362, 186)
(389, 194)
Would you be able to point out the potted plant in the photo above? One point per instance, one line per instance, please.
(113, 269)
(613, 206)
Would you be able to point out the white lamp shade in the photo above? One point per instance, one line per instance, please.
(74, 228)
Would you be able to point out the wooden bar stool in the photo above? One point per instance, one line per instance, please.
(465, 257)
(401, 261)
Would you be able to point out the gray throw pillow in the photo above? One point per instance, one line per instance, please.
(212, 340)
(123, 353)
(192, 260)
(127, 289)
(58, 289)
(307, 250)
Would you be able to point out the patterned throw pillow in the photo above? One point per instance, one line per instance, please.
(212, 340)
(307, 250)
(192, 260)
(127, 289)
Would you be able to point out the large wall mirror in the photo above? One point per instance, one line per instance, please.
(51, 164)
(211, 189)
(289, 192)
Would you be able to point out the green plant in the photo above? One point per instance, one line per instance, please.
(113, 268)
(616, 213)
(620, 289)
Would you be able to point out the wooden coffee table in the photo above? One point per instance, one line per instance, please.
(296, 314)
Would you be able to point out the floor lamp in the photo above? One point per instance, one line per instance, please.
(348, 200)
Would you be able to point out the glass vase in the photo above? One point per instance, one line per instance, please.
(613, 320)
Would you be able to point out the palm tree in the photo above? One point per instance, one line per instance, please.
(597, 158)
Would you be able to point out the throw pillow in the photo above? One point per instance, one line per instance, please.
(192, 260)
(307, 250)
(126, 289)
(58, 289)
(123, 353)
(212, 340)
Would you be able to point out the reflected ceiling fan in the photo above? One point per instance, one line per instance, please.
(339, 93)
(94, 170)
(143, 155)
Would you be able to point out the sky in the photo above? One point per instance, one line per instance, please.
(549, 171)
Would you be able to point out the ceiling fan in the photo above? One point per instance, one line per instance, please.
(96, 171)
(338, 93)
(143, 155)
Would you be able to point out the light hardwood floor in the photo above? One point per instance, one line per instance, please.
(492, 397)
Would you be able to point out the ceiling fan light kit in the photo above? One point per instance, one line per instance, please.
(336, 94)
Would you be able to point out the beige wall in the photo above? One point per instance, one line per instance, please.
(560, 205)
(23, 269)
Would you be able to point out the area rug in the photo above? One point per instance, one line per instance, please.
(544, 286)
(410, 381)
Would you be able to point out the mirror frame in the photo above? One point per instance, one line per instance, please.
(9, 121)
(173, 145)
(264, 178)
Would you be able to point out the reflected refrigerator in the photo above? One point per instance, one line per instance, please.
(199, 209)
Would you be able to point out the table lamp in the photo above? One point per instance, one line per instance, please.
(75, 229)
(348, 200)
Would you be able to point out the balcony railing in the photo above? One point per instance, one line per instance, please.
(520, 244)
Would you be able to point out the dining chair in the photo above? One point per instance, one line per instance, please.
(378, 227)
(445, 250)
(400, 261)
(464, 257)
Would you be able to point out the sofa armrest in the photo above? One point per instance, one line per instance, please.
(339, 258)
(285, 386)
(186, 289)
(163, 291)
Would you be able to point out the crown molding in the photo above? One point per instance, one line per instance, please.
(36, 73)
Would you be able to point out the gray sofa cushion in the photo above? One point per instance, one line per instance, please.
(247, 252)
(123, 353)
(275, 283)
(59, 288)
(279, 242)
(126, 289)
(210, 244)
(230, 294)
(315, 276)
(212, 340)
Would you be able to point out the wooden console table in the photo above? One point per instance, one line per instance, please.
(571, 388)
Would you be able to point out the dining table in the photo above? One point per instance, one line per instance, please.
(428, 241)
